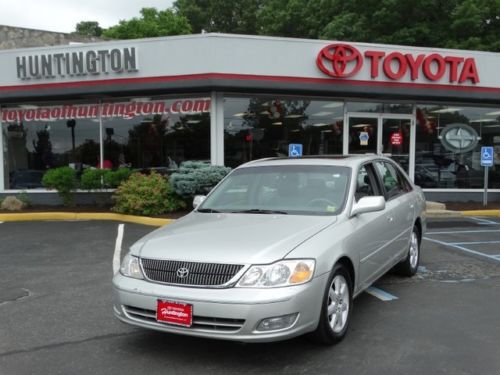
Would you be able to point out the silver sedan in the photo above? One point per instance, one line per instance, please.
(278, 249)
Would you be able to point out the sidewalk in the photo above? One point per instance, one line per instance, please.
(439, 210)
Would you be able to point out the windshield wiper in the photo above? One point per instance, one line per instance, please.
(208, 210)
(259, 211)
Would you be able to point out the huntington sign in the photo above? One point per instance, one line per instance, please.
(79, 63)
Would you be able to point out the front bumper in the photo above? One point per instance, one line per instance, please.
(230, 314)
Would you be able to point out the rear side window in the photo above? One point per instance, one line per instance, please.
(393, 182)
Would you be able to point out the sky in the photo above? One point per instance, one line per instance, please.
(63, 15)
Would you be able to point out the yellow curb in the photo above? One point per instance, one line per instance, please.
(481, 213)
(40, 216)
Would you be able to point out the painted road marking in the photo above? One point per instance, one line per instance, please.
(462, 248)
(380, 294)
(484, 221)
(118, 249)
(473, 243)
(466, 231)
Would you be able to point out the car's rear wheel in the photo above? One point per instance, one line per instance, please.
(336, 308)
(409, 266)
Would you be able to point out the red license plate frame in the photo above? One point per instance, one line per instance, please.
(174, 312)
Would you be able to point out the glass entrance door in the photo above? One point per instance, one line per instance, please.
(363, 134)
(382, 134)
(396, 140)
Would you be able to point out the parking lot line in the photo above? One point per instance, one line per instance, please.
(461, 247)
(466, 231)
(482, 221)
(380, 294)
(473, 243)
(118, 249)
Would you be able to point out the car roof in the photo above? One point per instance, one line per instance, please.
(338, 160)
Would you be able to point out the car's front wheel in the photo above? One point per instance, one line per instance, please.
(336, 308)
(409, 266)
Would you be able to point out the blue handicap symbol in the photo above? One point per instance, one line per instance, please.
(295, 150)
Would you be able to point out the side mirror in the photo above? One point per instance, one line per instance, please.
(198, 199)
(368, 204)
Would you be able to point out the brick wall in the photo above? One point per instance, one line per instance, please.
(18, 37)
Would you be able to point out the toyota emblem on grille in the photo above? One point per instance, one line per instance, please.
(182, 272)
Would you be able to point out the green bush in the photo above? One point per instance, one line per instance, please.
(146, 195)
(197, 178)
(92, 179)
(113, 179)
(64, 180)
(96, 179)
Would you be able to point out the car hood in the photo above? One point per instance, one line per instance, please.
(231, 238)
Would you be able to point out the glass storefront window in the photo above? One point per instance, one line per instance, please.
(41, 136)
(264, 126)
(448, 146)
(139, 133)
(367, 107)
(156, 133)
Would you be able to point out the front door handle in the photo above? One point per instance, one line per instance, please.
(390, 219)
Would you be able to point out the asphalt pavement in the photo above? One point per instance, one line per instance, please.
(56, 313)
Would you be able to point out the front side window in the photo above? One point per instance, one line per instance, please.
(307, 190)
(365, 185)
(391, 180)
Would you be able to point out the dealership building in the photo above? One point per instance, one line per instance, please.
(228, 99)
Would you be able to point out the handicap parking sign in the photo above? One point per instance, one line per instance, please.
(486, 156)
(294, 150)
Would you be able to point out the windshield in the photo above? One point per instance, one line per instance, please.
(291, 189)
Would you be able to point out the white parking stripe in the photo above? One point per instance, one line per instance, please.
(118, 249)
(466, 231)
(380, 294)
(461, 248)
(484, 221)
(473, 243)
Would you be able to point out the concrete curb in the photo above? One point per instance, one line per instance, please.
(481, 213)
(65, 216)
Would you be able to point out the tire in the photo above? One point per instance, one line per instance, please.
(409, 266)
(337, 300)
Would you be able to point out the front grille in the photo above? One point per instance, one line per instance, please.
(199, 322)
(199, 274)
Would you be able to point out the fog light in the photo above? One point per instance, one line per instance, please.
(277, 323)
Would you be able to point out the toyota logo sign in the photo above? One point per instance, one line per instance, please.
(182, 272)
(339, 60)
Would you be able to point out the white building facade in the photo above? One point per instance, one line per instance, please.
(228, 99)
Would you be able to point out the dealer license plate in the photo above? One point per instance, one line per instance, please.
(174, 313)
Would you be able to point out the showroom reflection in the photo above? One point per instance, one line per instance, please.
(258, 127)
(448, 146)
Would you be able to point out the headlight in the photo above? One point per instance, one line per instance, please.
(130, 267)
(282, 273)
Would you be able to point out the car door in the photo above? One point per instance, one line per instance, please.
(369, 235)
(399, 211)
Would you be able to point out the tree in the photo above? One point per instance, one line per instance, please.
(224, 16)
(152, 23)
(88, 28)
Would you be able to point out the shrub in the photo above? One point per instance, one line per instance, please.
(146, 195)
(64, 180)
(197, 178)
(96, 179)
(113, 179)
(11, 203)
(92, 179)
